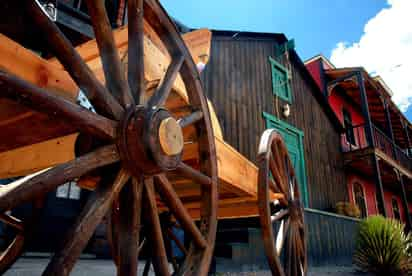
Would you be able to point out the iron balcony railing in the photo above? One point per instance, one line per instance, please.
(354, 138)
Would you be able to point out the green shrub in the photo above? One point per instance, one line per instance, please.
(383, 248)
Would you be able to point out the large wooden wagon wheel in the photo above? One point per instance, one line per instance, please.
(285, 251)
(140, 144)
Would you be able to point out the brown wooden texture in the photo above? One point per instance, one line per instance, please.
(16, 119)
(28, 188)
(134, 140)
(238, 81)
(28, 159)
(77, 237)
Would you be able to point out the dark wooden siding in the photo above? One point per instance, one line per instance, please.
(238, 81)
(331, 240)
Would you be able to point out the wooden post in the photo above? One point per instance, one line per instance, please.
(390, 129)
(379, 187)
(408, 139)
(365, 110)
(371, 142)
(405, 203)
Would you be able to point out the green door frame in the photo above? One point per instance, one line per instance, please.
(269, 118)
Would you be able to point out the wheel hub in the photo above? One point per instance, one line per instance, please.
(150, 141)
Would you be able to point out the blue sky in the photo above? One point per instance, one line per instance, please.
(316, 25)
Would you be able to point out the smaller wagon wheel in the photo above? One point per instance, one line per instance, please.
(286, 252)
(23, 228)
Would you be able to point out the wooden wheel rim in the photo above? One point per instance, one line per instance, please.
(105, 127)
(288, 214)
(24, 231)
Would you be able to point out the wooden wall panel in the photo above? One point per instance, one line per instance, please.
(238, 81)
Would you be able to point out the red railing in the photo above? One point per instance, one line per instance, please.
(355, 139)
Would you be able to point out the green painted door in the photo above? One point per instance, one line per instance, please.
(293, 138)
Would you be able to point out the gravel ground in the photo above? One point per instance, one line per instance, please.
(89, 267)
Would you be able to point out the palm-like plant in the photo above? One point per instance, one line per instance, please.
(383, 248)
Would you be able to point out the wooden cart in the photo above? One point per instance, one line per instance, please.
(149, 146)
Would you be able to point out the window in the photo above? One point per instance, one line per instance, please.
(347, 122)
(395, 209)
(359, 197)
(280, 81)
(68, 190)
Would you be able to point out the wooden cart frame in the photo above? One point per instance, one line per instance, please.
(153, 146)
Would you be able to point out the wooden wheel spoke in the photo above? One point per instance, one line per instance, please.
(289, 251)
(11, 253)
(166, 191)
(30, 187)
(159, 256)
(136, 49)
(280, 215)
(290, 179)
(78, 236)
(299, 247)
(130, 215)
(281, 236)
(278, 154)
(165, 86)
(46, 102)
(190, 119)
(101, 98)
(195, 175)
(12, 221)
(277, 176)
(113, 71)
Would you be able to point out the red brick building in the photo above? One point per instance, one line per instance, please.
(377, 139)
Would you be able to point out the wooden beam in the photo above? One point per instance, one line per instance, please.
(383, 156)
(27, 65)
(199, 44)
(236, 170)
(22, 126)
(405, 204)
(29, 159)
(241, 207)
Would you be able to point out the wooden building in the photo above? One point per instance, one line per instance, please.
(257, 81)
(377, 142)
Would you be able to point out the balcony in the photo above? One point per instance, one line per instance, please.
(354, 139)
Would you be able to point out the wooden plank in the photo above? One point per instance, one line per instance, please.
(235, 172)
(16, 120)
(27, 65)
(29, 159)
(239, 207)
(199, 43)
(234, 169)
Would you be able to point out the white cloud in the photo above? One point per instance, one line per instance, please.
(384, 49)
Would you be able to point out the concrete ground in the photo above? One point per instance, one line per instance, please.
(90, 267)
